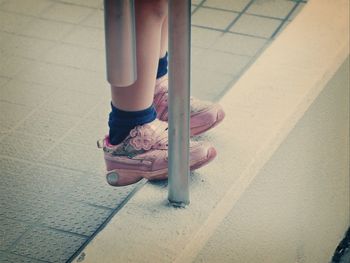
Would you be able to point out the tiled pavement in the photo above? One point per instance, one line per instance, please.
(54, 102)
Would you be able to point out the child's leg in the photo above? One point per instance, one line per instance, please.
(164, 38)
(150, 15)
(132, 105)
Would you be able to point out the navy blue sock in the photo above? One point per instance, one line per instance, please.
(122, 122)
(162, 66)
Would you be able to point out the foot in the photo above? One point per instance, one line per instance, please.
(204, 115)
(144, 154)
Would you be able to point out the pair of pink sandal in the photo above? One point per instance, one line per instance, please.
(144, 152)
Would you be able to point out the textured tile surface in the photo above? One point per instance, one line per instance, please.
(238, 44)
(256, 26)
(47, 244)
(212, 18)
(236, 5)
(272, 8)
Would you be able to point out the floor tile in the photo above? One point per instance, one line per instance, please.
(11, 65)
(239, 44)
(271, 8)
(86, 37)
(66, 13)
(255, 26)
(12, 258)
(94, 189)
(48, 244)
(46, 29)
(88, 132)
(11, 114)
(221, 62)
(207, 84)
(27, 206)
(77, 157)
(27, 7)
(212, 18)
(25, 146)
(78, 57)
(236, 5)
(202, 37)
(71, 103)
(88, 3)
(75, 217)
(25, 93)
(13, 23)
(27, 47)
(12, 166)
(10, 231)
(47, 124)
(95, 19)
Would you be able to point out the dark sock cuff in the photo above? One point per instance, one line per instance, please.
(131, 118)
(162, 66)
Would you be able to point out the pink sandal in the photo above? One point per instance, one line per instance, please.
(204, 115)
(144, 154)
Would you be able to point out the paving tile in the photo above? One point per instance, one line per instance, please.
(207, 84)
(12, 258)
(76, 217)
(236, 5)
(3, 81)
(65, 78)
(27, 7)
(23, 206)
(47, 124)
(86, 37)
(101, 113)
(221, 62)
(25, 146)
(79, 57)
(26, 47)
(48, 244)
(10, 230)
(271, 8)
(95, 19)
(202, 37)
(88, 3)
(48, 180)
(24, 93)
(256, 26)
(66, 13)
(94, 189)
(239, 44)
(10, 65)
(212, 18)
(196, 2)
(8, 165)
(11, 114)
(70, 102)
(46, 29)
(88, 132)
(13, 22)
(77, 157)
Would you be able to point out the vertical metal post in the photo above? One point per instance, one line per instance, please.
(120, 42)
(179, 100)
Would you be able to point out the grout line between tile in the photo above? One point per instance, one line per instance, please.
(239, 15)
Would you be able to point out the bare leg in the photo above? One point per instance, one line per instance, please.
(164, 38)
(149, 15)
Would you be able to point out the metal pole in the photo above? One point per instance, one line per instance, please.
(120, 42)
(179, 100)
